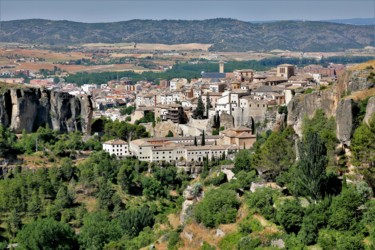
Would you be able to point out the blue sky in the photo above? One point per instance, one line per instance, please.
(247, 10)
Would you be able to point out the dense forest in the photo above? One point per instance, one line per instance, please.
(72, 200)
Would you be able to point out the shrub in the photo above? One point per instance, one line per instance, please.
(230, 241)
(218, 206)
(249, 225)
(262, 200)
(290, 215)
(248, 242)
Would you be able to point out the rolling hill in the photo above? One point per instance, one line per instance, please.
(224, 34)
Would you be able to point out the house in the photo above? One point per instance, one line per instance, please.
(213, 97)
(274, 80)
(117, 147)
(242, 137)
(244, 75)
(88, 88)
(285, 70)
(175, 113)
(177, 83)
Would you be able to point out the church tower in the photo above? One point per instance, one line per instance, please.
(221, 66)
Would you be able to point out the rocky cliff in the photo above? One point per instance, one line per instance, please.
(339, 101)
(31, 108)
(370, 109)
(305, 105)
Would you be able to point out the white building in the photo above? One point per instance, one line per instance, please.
(171, 148)
(117, 147)
(88, 88)
(177, 83)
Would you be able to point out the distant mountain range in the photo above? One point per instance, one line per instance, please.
(355, 21)
(224, 34)
(352, 21)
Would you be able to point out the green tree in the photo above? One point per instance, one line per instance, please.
(14, 223)
(125, 177)
(47, 234)
(152, 188)
(105, 194)
(242, 161)
(64, 198)
(7, 142)
(363, 150)
(198, 113)
(127, 111)
(316, 217)
(195, 141)
(344, 210)
(275, 155)
(170, 134)
(331, 239)
(290, 214)
(218, 206)
(311, 171)
(134, 220)
(98, 230)
(263, 200)
(203, 142)
(326, 128)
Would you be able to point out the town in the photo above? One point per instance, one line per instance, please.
(187, 125)
(205, 118)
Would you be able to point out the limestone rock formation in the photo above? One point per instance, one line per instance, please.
(192, 194)
(370, 109)
(30, 108)
(162, 128)
(306, 105)
(226, 120)
(344, 121)
(353, 81)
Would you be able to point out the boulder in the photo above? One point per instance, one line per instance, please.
(279, 243)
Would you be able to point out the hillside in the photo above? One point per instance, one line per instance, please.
(224, 34)
(311, 187)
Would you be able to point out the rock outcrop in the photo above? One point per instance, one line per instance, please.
(162, 128)
(353, 81)
(306, 105)
(344, 121)
(334, 103)
(226, 120)
(192, 194)
(30, 108)
(370, 109)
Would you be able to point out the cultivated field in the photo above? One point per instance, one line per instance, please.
(151, 47)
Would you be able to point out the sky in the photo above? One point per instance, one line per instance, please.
(247, 10)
